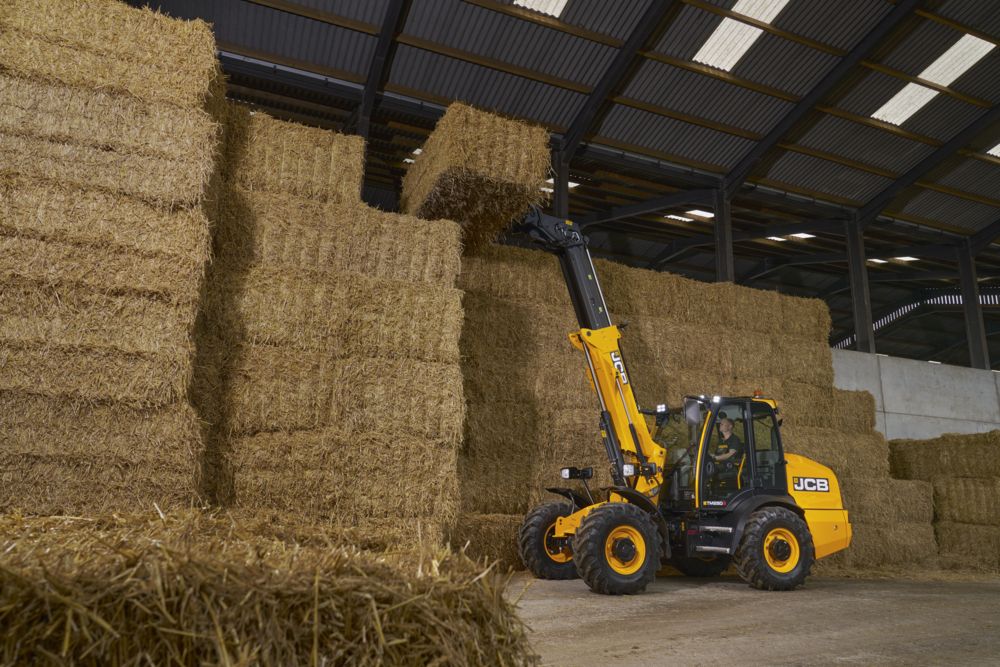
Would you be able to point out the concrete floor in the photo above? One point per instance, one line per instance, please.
(680, 621)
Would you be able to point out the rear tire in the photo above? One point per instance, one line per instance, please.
(617, 549)
(535, 543)
(692, 566)
(776, 551)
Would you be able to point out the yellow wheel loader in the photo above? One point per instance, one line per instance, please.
(703, 486)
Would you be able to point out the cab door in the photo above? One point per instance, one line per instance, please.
(768, 457)
(725, 463)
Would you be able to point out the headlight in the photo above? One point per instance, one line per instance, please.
(564, 473)
(628, 470)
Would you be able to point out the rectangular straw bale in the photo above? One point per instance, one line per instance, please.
(46, 427)
(878, 545)
(952, 455)
(968, 500)
(59, 212)
(62, 264)
(489, 537)
(805, 361)
(107, 45)
(158, 180)
(517, 274)
(347, 316)
(275, 388)
(973, 544)
(888, 501)
(745, 309)
(147, 380)
(805, 318)
(507, 374)
(265, 154)
(105, 120)
(331, 475)
(631, 292)
(803, 404)
(279, 230)
(861, 456)
(493, 322)
(93, 483)
(78, 317)
(853, 411)
(480, 169)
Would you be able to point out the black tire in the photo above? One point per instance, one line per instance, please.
(535, 533)
(692, 566)
(596, 536)
(761, 565)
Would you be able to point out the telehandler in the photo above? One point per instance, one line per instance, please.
(709, 486)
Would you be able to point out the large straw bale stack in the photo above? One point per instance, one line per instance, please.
(480, 169)
(953, 455)
(106, 152)
(489, 537)
(969, 545)
(896, 545)
(968, 500)
(887, 501)
(102, 591)
(331, 336)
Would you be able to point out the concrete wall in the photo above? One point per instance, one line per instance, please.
(917, 399)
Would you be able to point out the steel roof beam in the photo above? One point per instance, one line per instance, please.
(972, 308)
(681, 198)
(871, 41)
(875, 206)
(381, 64)
(617, 76)
(982, 239)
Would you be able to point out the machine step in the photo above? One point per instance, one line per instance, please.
(715, 550)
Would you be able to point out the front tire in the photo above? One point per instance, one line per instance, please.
(776, 551)
(617, 549)
(542, 555)
(691, 566)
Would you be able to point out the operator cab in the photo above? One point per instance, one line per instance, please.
(720, 451)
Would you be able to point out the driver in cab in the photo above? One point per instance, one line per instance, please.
(728, 453)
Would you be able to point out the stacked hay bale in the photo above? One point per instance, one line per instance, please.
(191, 589)
(106, 149)
(330, 333)
(531, 410)
(965, 473)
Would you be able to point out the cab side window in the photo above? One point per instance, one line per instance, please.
(767, 446)
(725, 466)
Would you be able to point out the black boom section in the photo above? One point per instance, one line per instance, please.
(563, 239)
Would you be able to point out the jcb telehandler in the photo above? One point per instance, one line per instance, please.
(708, 487)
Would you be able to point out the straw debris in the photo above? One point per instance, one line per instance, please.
(120, 587)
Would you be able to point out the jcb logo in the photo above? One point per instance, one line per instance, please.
(616, 359)
(821, 484)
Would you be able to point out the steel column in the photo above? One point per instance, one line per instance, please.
(725, 271)
(975, 329)
(560, 185)
(861, 300)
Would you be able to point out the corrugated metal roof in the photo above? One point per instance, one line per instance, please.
(698, 95)
(483, 87)
(280, 33)
(783, 64)
(688, 31)
(979, 14)
(508, 39)
(805, 171)
(863, 144)
(673, 137)
(975, 176)
(369, 11)
(925, 44)
(983, 80)
(617, 18)
(841, 24)
(950, 210)
(943, 117)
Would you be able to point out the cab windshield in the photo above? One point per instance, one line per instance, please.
(680, 436)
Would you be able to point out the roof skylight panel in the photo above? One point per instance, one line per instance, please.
(950, 65)
(550, 7)
(732, 38)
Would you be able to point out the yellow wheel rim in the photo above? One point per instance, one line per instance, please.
(632, 565)
(777, 564)
(556, 555)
